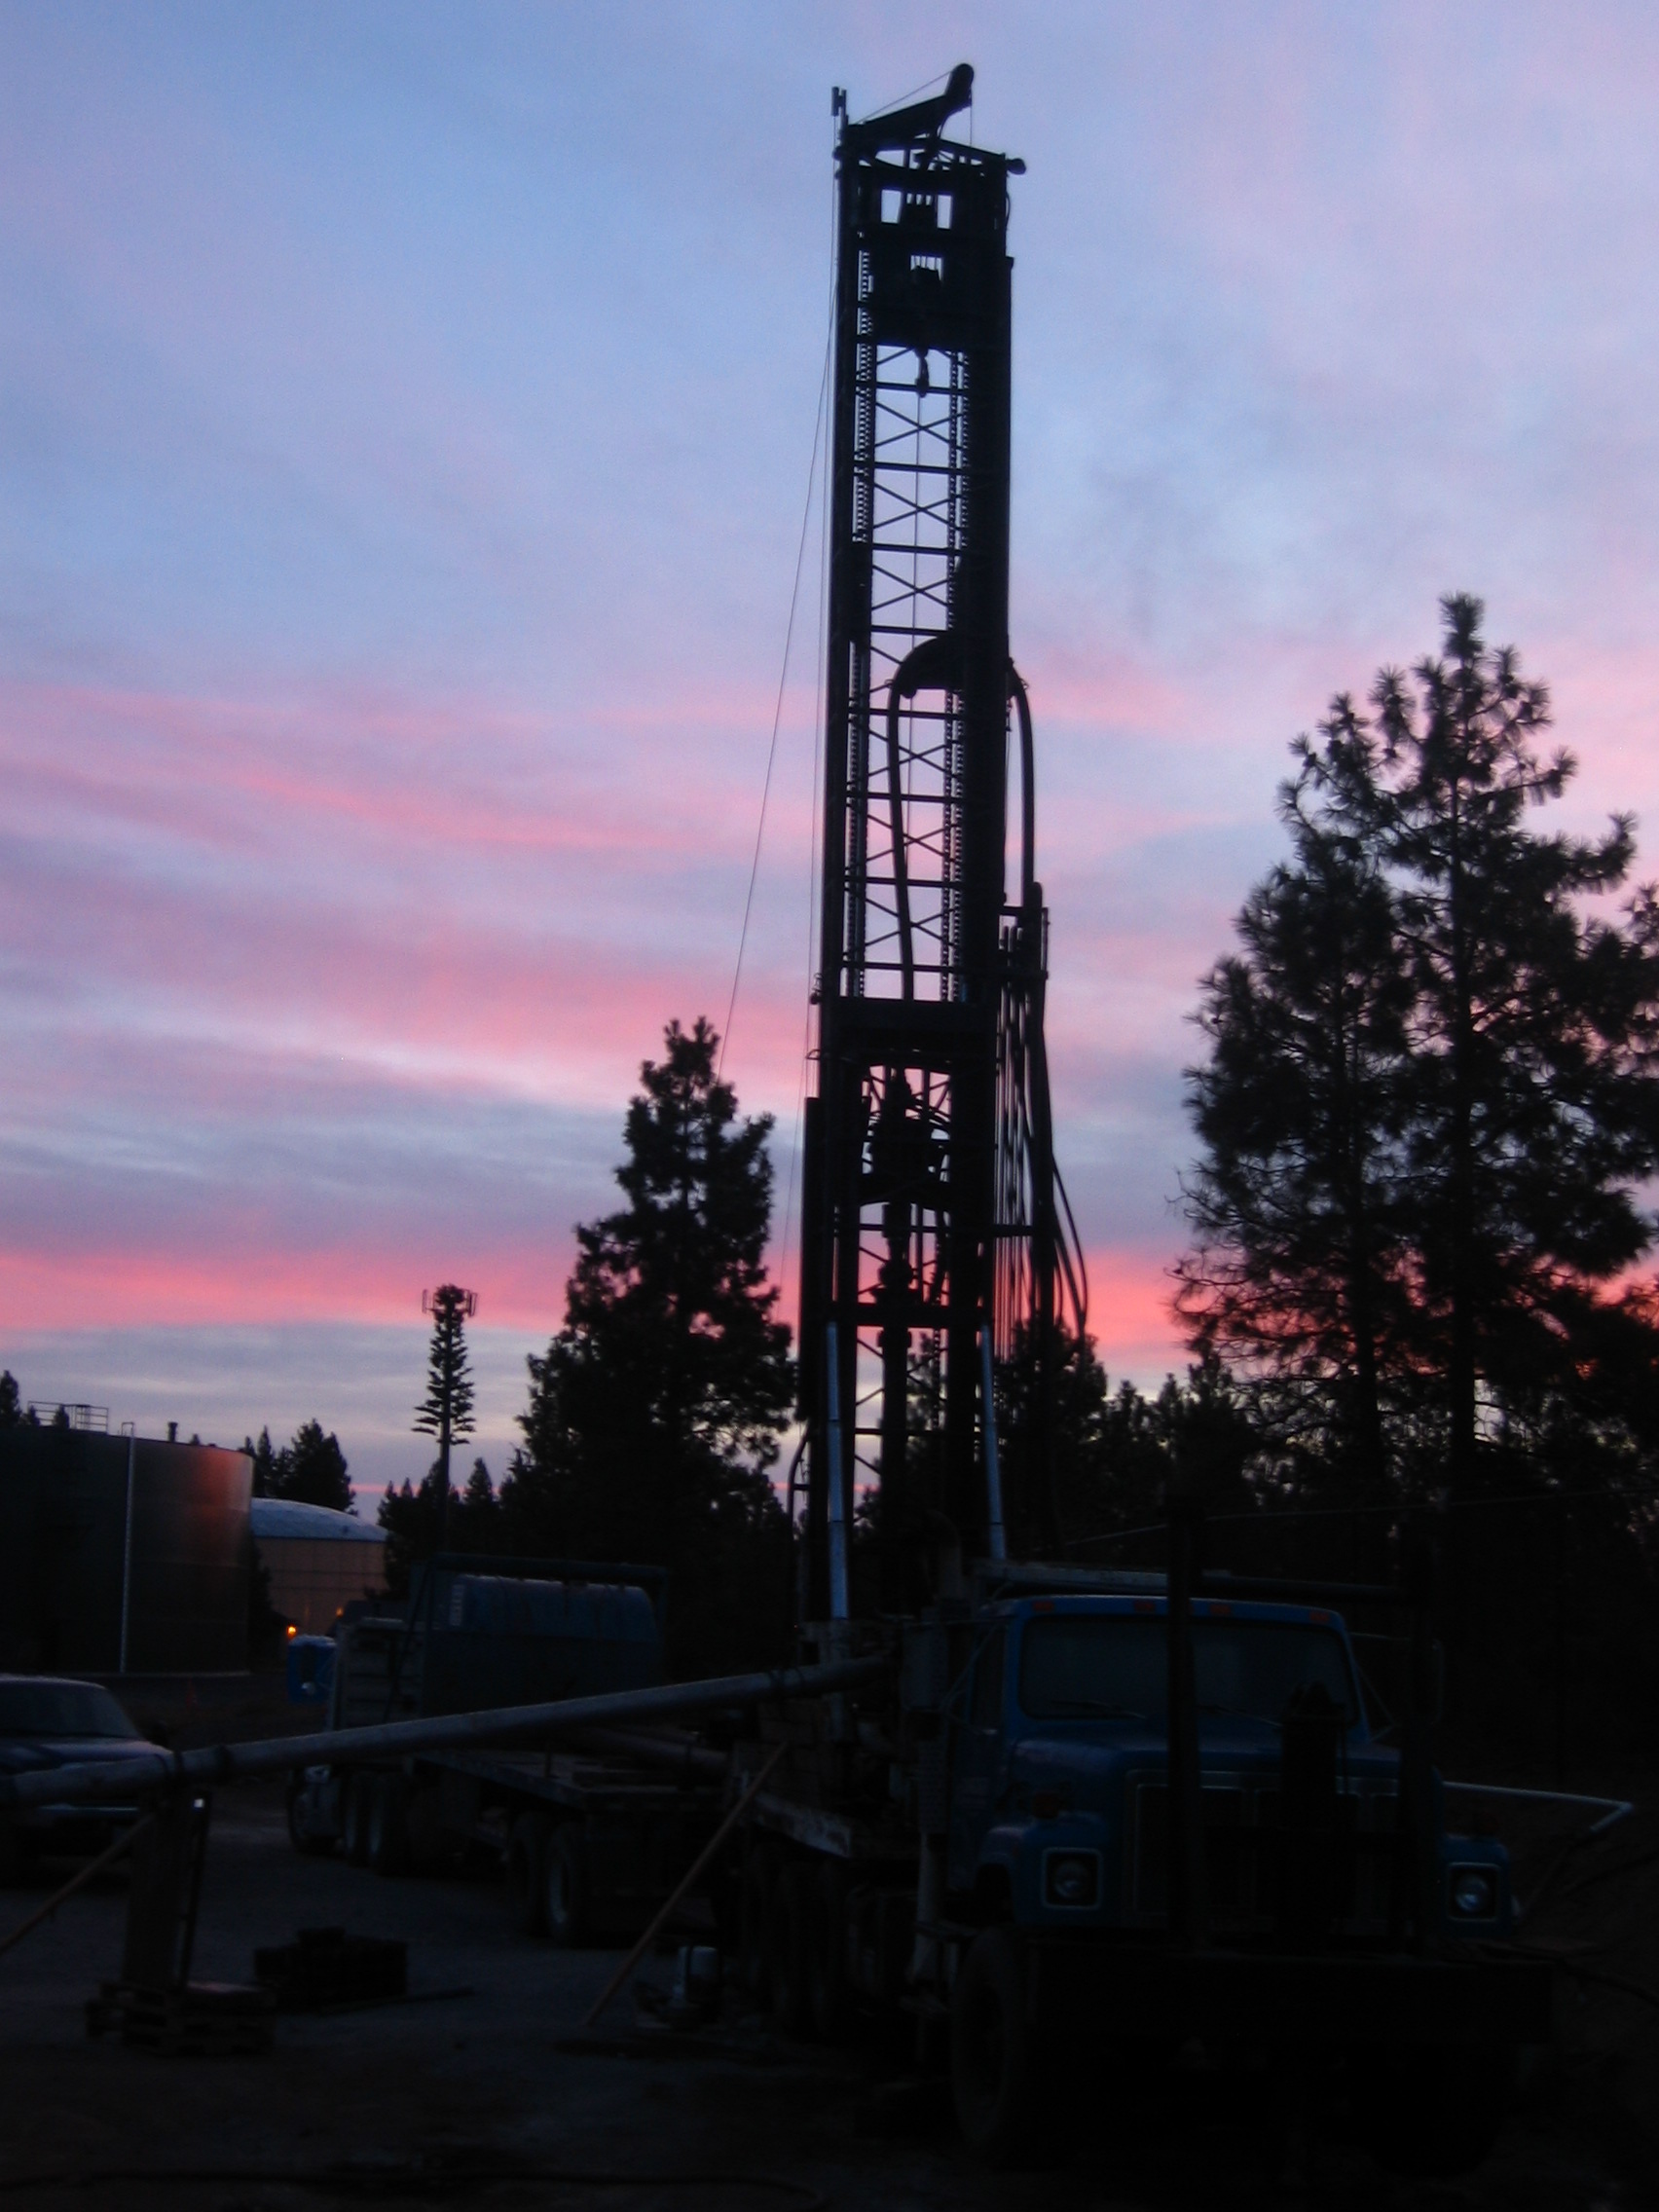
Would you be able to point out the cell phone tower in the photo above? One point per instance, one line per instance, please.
(931, 1245)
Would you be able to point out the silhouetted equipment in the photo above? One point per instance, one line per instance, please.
(95, 1526)
(929, 1196)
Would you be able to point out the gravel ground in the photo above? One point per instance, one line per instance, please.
(440, 2094)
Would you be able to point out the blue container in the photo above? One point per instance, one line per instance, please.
(495, 1640)
(310, 1669)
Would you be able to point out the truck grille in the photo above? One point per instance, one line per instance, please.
(1242, 1837)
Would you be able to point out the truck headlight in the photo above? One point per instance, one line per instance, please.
(1472, 1892)
(1071, 1879)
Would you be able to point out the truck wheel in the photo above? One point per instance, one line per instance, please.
(1435, 2113)
(424, 1821)
(827, 1949)
(568, 1909)
(994, 2070)
(527, 1871)
(304, 1838)
(389, 1832)
(16, 1854)
(759, 1876)
(786, 1949)
(359, 1793)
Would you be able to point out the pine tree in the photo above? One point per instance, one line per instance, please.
(409, 1515)
(446, 1411)
(11, 1409)
(1431, 1100)
(1295, 1279)
(656, 1409)
(312, 1469)
(264, 1457)
(1535, 1113)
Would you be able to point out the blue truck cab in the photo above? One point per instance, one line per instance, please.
(1058, 1802)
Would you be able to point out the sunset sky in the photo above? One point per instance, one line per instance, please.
(406, 415)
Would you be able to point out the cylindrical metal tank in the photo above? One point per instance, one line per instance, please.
(73, 1557)
(498, 1639)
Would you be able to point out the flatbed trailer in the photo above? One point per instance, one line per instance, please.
(593, 1833)
(590, 1844)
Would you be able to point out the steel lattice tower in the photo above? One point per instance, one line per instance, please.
(929, 1224)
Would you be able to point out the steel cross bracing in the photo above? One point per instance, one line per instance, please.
(929, 1188)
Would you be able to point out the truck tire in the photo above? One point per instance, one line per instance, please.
(358, 1799)
(995, 2073)
(827, 1950)
(760, 1876)
(569, 1907)
(16, 1854)
(301, 1834)
(388, 1830)
(424, 1820)
(787, 1950)
(1434, 2114)
(527, 1871)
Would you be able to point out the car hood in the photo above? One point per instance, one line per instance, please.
(25, 1754)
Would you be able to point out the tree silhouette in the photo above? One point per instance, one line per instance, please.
(446, 1411)
(310, 1467)
(1431, 1100)
(655, 1411)
(1298, 1198)
(1535, 1106)
(409, 1515)
(264, 1457)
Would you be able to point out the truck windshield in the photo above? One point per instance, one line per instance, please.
(61, 1709)
(1079, 1667)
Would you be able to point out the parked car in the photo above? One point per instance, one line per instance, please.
(51, 1721)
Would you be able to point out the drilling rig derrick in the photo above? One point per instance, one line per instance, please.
(931, 1246)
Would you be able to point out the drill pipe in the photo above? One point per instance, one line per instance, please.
(96, 1779)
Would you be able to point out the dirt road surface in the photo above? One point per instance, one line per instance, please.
(430, 2101)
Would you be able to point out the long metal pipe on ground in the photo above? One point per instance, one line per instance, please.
(126, 1779)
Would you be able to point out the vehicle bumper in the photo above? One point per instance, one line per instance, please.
(1233, 1999)
(73, 1830)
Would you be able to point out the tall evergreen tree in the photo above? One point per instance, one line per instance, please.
(311, 1468)
(446, 1411)
(11, 1409)
(1431, 1100)
(1535, 1108)
(655, 1411)
(1296, 1276)
(264, 1457)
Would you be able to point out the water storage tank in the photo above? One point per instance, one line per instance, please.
(71, 1551)
(318, 1560)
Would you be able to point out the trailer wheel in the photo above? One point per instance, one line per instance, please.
(569, 1895)
(827, 1949)
(388, 1830)
(759, 1876)
(527, 1871)
(359, 1792)
(1435, 2113)
(787, 1950)
(995, 2076)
